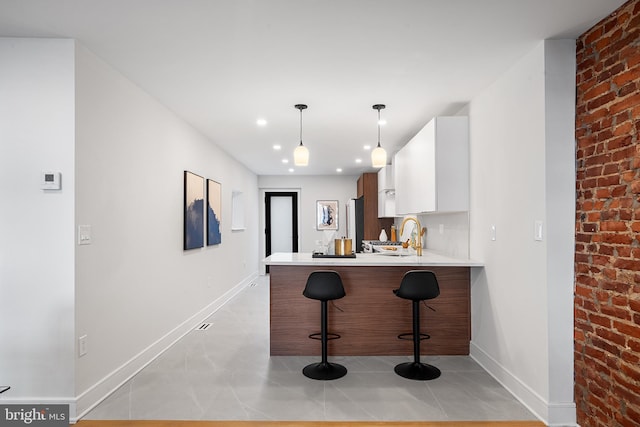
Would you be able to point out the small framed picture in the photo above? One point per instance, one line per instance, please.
(327, 215)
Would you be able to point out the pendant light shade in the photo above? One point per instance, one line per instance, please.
(378, 155)
(301, 153)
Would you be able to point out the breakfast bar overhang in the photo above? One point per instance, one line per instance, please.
(370, 317)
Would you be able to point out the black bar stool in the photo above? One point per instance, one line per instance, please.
(417, 285)
(324, 285)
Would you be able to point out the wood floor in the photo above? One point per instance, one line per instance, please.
(134, 423)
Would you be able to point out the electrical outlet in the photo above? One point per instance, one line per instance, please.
(492, 232)
(82, 345)
(441, 228)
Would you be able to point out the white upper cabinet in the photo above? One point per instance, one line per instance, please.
(386, 193)
(431, 172)
(385, 178)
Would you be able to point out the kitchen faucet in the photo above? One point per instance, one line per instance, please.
(419, 233)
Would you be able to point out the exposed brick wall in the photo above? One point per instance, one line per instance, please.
(607, 260)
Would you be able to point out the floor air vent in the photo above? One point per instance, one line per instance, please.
(203, 327)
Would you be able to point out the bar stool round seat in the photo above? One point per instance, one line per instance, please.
(417, 285)
(324, 285)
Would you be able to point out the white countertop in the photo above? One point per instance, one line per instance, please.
(371, 259)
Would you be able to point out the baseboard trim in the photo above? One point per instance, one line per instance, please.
(91, 397)
(562, 415)
(552, 414)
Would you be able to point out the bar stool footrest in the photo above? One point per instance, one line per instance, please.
(409, 336)
(318, 336)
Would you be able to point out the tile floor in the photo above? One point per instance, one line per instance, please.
(225, 373)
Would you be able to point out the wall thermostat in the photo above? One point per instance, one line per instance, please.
(50, 181)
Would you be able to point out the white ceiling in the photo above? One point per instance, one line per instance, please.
(222, 64)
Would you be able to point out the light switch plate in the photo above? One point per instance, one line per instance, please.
(537, 231)
(84, 234)
(82, 345)
(492, 232)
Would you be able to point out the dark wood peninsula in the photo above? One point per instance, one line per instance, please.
(370, 317)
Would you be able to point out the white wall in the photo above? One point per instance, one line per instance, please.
(560, 95)
(133, 291)
(311, 189)
(36, 227)
(521, 172)
(137, 290)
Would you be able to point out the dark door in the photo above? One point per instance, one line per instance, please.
(281, 222)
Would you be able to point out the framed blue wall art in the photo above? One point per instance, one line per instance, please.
(193, 211)
(214, 210)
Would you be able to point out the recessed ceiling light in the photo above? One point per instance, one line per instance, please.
(277, 146)
(291, 169)
(285, 160)
(358, 160)
(367, 147)
(382, 122)
(338, 169)
(261, 122)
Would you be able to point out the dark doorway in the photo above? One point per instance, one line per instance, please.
(281, 222)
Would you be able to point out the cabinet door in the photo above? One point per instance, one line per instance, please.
(386, 193)
(414, 173)
(385, 178)
(432, 169)
(401, 162)
(386, 204)
(452, 160)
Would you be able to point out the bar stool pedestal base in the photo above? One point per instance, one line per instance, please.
(324, 371)
(417, 371)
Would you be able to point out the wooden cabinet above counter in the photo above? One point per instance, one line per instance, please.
(368, 188)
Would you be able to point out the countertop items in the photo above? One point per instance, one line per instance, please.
(428, 258)
(323, 255)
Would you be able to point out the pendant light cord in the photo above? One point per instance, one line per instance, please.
(378, 127)
(300, 107)
(379, 107)
(378, 155)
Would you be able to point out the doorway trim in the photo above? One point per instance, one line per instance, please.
(268, 195)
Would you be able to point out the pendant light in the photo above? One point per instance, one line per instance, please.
(378, 155)
(301, 153)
